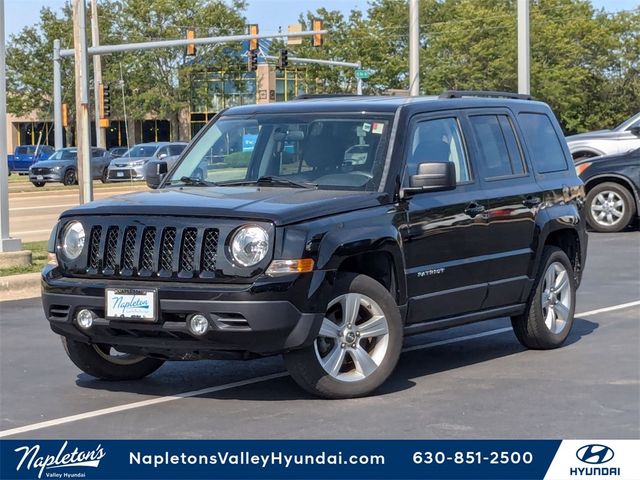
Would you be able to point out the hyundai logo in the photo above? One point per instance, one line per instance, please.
(594, 454)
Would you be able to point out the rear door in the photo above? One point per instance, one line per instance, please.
(444, 240)
(514, 198)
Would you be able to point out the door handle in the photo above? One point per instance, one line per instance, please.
(474, 209)
(531, 201)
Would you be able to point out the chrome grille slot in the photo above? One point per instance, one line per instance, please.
(188, 249)
(111, 249)
(166, 248)
(209, 250)
(94, 248)
(147, 249)
(128, 247)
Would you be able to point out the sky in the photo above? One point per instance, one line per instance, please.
(269, 14)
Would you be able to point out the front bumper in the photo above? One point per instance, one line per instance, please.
(47, 177)
(125, 174)
(267, 317)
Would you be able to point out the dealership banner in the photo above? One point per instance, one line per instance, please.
(335, 459)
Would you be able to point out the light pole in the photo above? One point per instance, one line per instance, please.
(414, 47)
(7, 244)
(101, 133)
(524, 53)
(83, 134)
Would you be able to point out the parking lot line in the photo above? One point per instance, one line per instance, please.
(40, 207)
(264, 378)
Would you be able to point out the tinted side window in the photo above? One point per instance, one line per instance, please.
(499, 151)
(546, 150)
(176, 149)
(438, 140)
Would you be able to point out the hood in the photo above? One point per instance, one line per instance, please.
(592, 135)
(53, 163)
(126, 161)
(279, 205)
(631, 154)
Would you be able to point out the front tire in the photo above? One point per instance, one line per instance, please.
(101, 361)
(359, 343)
(548, 318)
(609, 207)
(105, 176)
(69, 177)
(38, 184)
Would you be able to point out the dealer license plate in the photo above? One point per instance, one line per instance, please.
(39, 177)
(130, 304)
(120, 174)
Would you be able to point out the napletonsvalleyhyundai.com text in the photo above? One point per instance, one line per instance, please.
(247, 458)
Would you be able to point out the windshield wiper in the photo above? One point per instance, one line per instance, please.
(270, 180)
(198, 182)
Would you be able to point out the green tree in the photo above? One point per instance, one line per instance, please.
(159, 81)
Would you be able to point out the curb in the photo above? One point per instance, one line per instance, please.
(14, 287)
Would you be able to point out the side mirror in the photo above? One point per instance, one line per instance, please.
(635, 130)
(161, 156)
(432, 177)
(155, 173)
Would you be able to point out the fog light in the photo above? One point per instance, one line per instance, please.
(198, 324)
(84, 318)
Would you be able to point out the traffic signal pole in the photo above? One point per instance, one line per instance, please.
(80, 54)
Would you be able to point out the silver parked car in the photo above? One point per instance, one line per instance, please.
(132, 165)
(621, 139)
(62, 167)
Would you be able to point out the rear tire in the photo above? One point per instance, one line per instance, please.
(69, 177)
(609, 207)
(548, 318)
(96, 360)
(359, 342)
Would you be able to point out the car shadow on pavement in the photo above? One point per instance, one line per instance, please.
(413, 365)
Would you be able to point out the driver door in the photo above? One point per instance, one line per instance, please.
(445, 234)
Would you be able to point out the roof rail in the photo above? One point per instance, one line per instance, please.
(311, 96)
(484, 93)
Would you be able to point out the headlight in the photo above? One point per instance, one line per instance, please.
(56, 168)
(73, 240)
(137, 163)
(249, 245)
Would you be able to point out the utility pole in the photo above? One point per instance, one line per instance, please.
(7, 244)
(83, 134)
(524, 52)
(101, 133)
(414, 48)
(57, 97)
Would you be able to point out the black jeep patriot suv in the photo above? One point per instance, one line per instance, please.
(327, 229)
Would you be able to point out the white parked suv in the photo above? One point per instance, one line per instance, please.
(621, 139)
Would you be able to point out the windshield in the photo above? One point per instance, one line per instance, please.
(64, 155)
(141, 151)
(26, 150)
(328, 150)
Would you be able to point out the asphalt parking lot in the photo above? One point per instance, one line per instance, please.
(471, 382)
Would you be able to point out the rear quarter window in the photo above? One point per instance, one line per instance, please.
(545, 147)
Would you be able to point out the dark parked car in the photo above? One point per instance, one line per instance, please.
(26, 155)
(62, 167)
(458, 210)
(133, 163)
(118, 151)
(612, 184)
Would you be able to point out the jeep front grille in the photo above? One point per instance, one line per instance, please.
(139, 251)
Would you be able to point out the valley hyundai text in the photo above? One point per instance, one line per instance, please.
(327, 229)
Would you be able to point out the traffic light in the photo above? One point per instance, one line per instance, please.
(252, 60)
(65, 115)
(106, 101)
(317, 38)
(283, 61)
(191, 48)
(253, 30)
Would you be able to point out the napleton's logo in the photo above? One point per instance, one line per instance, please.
(594, 454)
(32, 459)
